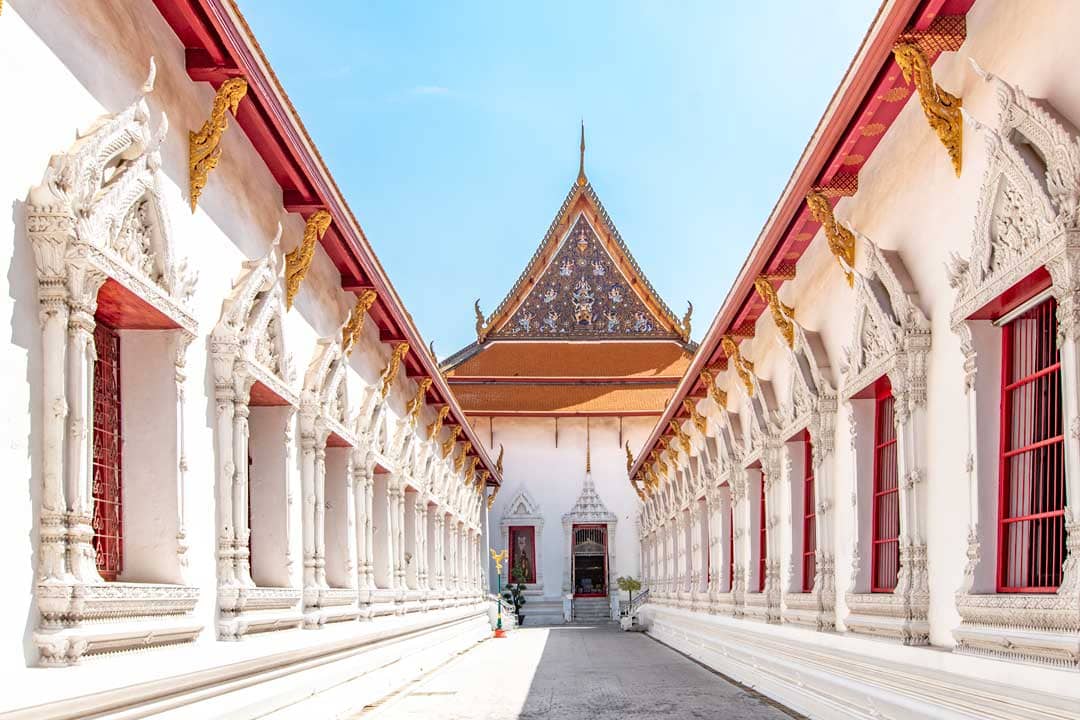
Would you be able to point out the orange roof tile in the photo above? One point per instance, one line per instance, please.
(551, 398)
(633, 359)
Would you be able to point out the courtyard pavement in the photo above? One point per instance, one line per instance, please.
(573, 672)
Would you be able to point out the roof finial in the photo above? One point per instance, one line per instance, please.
(581, 179)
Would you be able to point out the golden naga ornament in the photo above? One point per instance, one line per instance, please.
(391, 371)
(299, 260)
(204, 149)
(743, 367)
(629, 458)
(482, 327)
(448, 444)
(470, 474)
(435, 427)
(498, 463)
(942, 108)
(783, 315)
(492, 496)
(680, 435)
(417, 403)
(695, 417)
(684, 326)
(350, 332)
(708, 379)
(841, 240)
(459, 461)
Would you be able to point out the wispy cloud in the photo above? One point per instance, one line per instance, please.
(430, 90)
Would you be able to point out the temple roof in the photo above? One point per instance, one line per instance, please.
(582, 331)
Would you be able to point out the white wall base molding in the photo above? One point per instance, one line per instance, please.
(831, 675)
(354, 663)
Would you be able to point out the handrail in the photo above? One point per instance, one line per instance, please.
(628, 608)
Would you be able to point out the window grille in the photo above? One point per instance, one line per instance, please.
(106, 490)
(1031, 501)
(885, 558)
(809, 520)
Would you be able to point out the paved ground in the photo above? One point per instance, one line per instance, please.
(571, 673)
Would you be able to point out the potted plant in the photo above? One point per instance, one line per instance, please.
(629, 585)
(514, 593)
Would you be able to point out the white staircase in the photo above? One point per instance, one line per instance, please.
(592, 610)
(539, 611)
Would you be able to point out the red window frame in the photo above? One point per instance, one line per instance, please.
(1031, 499)
(106, 488)
(529, 531)
(763, 548)
(885, 534)
(809, 535)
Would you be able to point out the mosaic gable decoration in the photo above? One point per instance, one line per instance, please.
(583, 294)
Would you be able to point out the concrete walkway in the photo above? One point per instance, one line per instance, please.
(573, 672)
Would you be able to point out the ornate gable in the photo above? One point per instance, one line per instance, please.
(582, 283)
(582, 293)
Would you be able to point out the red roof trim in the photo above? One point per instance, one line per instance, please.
(219, 45)
(855, 104)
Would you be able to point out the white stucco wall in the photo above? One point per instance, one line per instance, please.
(64, 65)
(553, 476)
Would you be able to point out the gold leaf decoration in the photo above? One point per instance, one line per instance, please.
(708, 379)
(680, 435)
(448, 444)
(417, 403)
(299, 260)
(841, 240)
(743, 367)
(684, 326)
(435, 427)
(204, 149)
(350, 332)
(470, 474)
(459, 461)
(695, 417)
(492, 496)
(783, 315)
(482, 328)
(942, 108)
(391, 371)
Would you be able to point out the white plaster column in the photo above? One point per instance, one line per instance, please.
(420, 529)
(241, 487)
(309, 500)
(53, 314)
(81, 355)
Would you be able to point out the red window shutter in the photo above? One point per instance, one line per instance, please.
(809, 554)
(763, 549)
(885, 557)
(1031, 500)
(106, 466)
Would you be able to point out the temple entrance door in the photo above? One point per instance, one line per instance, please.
(589, 561)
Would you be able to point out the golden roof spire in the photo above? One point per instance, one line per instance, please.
(581, 179)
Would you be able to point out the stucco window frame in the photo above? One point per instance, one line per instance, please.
(523, 511)
(98, 217)
(891, 338)
(1026, 226)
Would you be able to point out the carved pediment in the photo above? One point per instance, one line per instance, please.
(1029, 198)
(101, 202)
(250, 329)
(887, 321)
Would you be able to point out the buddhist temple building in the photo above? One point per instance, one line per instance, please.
(577, 362)
(239, 483)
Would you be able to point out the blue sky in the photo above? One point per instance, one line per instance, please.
(452, 128)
